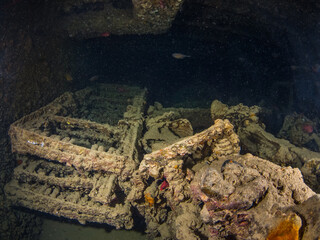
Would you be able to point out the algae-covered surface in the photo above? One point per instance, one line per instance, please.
(53, 230)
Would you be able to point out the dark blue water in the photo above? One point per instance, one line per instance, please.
(235, 71)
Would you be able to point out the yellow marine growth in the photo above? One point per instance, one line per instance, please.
(68, 77)
(149, 199)
(287, 229)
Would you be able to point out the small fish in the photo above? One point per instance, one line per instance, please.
(105, 34)
(94, 78)
(303, 68)
(180, 55)
(68, 77)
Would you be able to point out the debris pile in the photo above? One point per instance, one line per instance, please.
(76, 164)
(256, 140)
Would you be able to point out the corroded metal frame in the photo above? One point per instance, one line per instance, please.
(93, 191)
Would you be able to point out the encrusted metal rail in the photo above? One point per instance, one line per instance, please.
(63, 191)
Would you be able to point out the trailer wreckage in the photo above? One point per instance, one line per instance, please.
(97, 155)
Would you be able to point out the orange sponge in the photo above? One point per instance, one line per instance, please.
(287, 229)
(149, 199)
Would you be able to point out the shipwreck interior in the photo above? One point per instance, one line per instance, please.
(139, 63)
